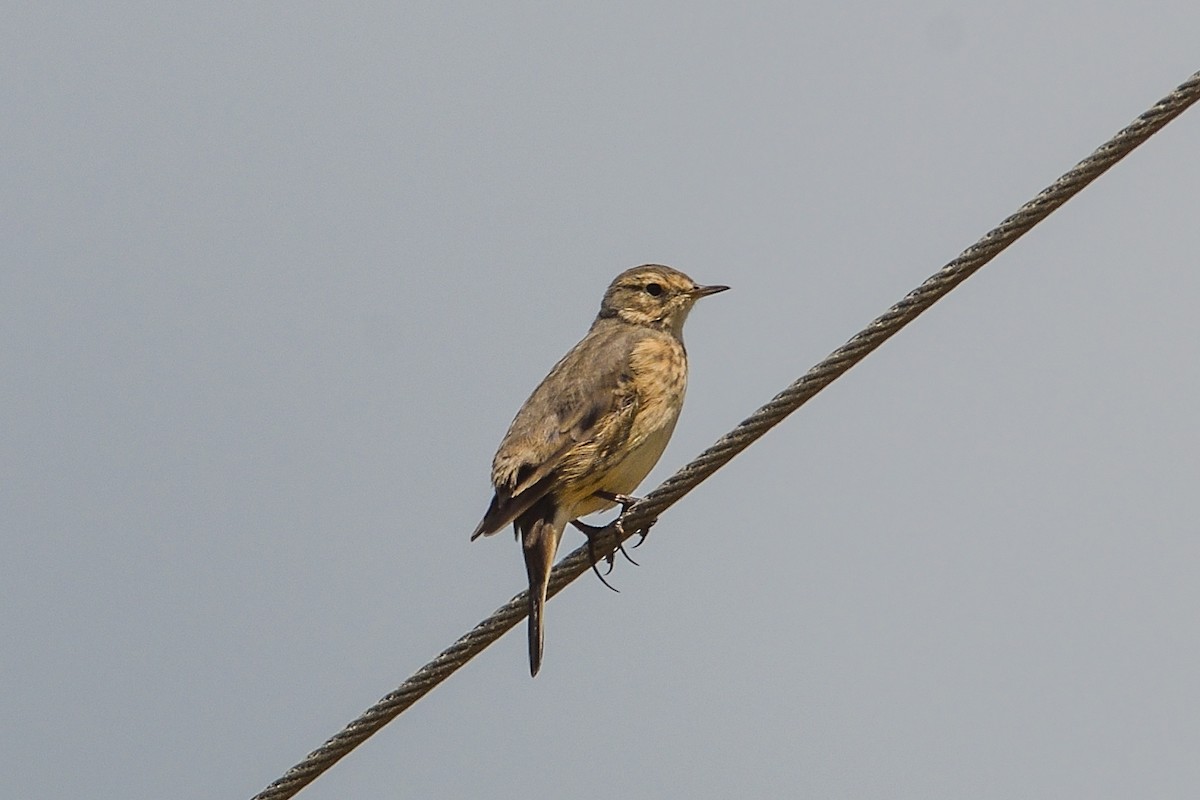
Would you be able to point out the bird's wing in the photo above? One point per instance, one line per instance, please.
(571, 407)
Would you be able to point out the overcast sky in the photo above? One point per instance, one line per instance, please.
(277, 276)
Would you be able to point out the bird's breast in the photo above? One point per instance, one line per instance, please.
(658, 365)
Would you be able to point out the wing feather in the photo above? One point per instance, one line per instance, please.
(569, 410)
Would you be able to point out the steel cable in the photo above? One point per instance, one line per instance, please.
(741, 437)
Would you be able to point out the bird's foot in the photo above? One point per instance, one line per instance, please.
(614, 529)
(626, 501)
(592, 532)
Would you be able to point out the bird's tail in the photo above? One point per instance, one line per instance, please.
(539, 540)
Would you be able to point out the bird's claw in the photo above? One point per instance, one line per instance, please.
(626, 502)
(616, 530)
(591, 532)
(642, 534)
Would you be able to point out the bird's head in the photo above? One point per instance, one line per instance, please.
(653, 296)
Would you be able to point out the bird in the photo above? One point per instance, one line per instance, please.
(596, 424)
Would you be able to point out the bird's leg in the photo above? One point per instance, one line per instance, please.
(616, 529)
(626, 501)
(591, 532)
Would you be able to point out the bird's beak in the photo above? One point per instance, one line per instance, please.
(705, 291)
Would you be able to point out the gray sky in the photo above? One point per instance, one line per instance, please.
(276, 278)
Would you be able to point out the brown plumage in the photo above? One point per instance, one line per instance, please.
(597, 423)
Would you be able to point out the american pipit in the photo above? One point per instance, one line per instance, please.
(596, 425)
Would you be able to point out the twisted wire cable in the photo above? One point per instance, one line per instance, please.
(643, 513)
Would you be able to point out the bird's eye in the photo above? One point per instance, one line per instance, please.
(654, 289)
